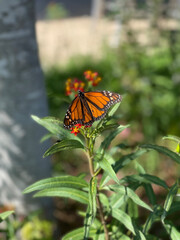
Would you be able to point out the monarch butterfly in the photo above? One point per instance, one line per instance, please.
(88, 107)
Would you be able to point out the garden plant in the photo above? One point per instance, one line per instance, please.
(113, 204)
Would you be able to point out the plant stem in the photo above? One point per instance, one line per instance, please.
(90, 156)
(102, 218)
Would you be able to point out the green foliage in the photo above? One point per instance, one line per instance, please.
(113, 204)
(37, 229)
(147, 74)
(4, 215)
(55, 11)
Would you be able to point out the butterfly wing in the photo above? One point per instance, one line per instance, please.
(78, 113)
(89, 107)
(100, 102)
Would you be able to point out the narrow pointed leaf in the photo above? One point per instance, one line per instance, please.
(92, 196)
(153, 217)
(4, 215)
(169, 200)
(172, 231)
(150, 193)
(123, 161)
(131, 194)
(118, 199)
(104, 164)
(57, 182)
(105, 144)
(156, 180)
(78, 234)
(172, 137)
(91, 210)
(113, 109)
(75, 194)
(55, 126)
(123, 218)
(63, 145)
(174, 156)
(175, 207)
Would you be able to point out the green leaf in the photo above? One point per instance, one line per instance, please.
(153, 217)
(131, 194)
(132, 209)
(123, 161)
(91, 210)
(174, 156)
(75, 194)
(4, 215)
(105, 144)
(150, 193)
(55, 126)
(57, 182)
(104, 164)
(156, 180)
(63, 145)
(172, 231)
(175, 207)
(105, 201)
(169, 200)
(172, 137)
(92, 196)
(78, 234)
(113, 109)
(118, 199)
(106, 127)
(123, 218)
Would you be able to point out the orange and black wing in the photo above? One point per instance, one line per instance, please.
(77, 113)
(89, 107)
(99, 102)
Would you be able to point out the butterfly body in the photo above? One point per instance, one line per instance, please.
(88, 107)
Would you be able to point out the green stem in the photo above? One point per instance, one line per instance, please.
(90, 148)
(102, 218)
(90, 155)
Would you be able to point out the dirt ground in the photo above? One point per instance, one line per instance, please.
(58, 40)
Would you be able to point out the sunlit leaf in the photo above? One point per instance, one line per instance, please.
(131, 194)
(113, 109)
(172, 137)
(4, 215)
(55, 126)
(75, 194)
(78, 234)
(63, 145)
(123, 161)
(172, 231)
(123, 218)
(55, 182)
(104, 164)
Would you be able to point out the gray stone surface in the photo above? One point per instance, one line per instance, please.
(22, 93)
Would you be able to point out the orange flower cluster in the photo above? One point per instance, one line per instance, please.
(75, 129)
(73, 85)
(92, 77)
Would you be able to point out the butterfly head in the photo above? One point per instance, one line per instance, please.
(80, 94)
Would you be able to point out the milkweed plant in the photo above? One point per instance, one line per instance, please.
(112, 203)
